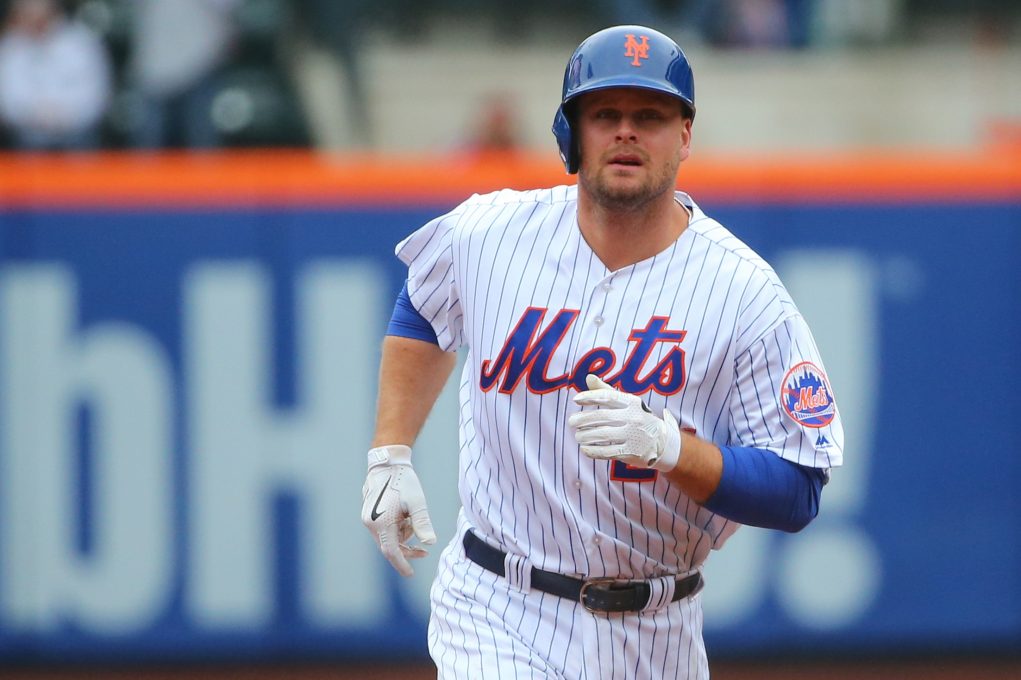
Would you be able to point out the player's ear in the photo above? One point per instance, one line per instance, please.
(686, 139)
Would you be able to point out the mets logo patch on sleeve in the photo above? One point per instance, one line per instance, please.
(806, 396)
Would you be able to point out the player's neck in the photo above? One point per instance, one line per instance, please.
(620, 238)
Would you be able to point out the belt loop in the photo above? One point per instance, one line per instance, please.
(518, 571)
(661, 592)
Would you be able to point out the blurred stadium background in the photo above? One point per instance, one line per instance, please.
(189, 320)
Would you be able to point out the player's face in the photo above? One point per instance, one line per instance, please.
(632, 143)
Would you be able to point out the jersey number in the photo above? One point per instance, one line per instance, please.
(622, 472)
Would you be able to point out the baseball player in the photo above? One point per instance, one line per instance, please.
(638, 384)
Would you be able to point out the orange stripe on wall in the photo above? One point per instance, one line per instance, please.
(304, 178)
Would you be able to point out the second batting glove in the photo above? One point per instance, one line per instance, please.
(622, 427)
(393, 506)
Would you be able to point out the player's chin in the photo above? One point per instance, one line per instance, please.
(624, 188)
(628, 182)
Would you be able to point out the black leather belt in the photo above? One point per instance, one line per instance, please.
(596, 595)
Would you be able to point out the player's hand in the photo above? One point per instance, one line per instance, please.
(622, 427)
(393, 506)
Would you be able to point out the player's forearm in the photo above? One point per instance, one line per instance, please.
(699, 469)
(748, 485)
(411, 376)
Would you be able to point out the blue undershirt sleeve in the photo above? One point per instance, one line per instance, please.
(406, 322)
(759, 488)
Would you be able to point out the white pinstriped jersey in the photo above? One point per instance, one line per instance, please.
(705, 329)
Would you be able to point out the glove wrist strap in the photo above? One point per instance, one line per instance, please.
(671, 445)
(391, 454)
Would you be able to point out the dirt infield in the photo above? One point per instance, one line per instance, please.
(936, 669)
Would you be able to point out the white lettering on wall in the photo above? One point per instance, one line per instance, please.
(244, 451)
(49, 369)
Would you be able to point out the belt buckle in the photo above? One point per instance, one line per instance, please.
(604, 581)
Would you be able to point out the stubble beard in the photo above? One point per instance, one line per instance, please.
(628, 198)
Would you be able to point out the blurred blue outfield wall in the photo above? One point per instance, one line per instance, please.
(186, 397)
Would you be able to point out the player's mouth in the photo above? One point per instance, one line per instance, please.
(627, 160)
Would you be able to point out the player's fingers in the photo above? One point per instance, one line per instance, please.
(603, 451)
(423, 525)
(390, 546)
(416, 511)
(603, 398)
(405, 532)
(594, 382)
(600, 435)
(413, 552)
(588, 419)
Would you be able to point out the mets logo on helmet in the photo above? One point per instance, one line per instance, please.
(638, 50)
(806, 396)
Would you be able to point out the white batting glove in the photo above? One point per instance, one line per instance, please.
(393, 506)
(623, 428)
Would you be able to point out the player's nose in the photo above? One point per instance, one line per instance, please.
(626, 130)
(626, 133)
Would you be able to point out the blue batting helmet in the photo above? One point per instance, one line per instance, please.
(621, 56)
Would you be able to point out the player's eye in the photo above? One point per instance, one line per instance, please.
(606, 114)
(649, 114)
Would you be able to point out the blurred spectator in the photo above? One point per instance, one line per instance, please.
(339, 27)
(179, 48)
(857, 22)
(54, 78)
(758, 23)
(496, 128)
(725, 23)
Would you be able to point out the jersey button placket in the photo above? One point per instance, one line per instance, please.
(601, 291)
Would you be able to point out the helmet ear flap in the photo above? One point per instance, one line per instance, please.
(564, 132)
